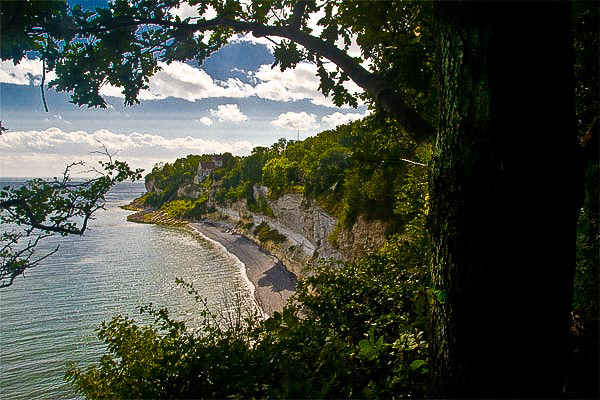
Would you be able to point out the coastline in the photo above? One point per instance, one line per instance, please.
(273, 283)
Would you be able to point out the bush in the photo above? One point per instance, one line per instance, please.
(187, 208)
(276, 237)
(264, 233)
(261, 205)
(177, 208)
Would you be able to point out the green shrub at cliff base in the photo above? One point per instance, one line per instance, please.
(265, 234)
(186, 208)
(378, 307)
(261, 205)
(353, 331)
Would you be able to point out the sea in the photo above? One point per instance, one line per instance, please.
(51, 315)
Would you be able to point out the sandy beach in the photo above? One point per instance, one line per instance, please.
(274, 283)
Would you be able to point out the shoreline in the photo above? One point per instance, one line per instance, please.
(273, 283)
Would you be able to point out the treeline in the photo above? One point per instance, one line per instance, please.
(368, 167)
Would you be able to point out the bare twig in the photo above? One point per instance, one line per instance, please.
(413, 162)
(51, 206)
(44, 78)
(14, 264)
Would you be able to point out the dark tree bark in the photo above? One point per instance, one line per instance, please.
(502, 199)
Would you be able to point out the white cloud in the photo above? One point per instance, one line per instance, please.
(45, 153)
(295, 84)
(229, 113)
(338, 118)
(24, 73)
(291, 84)
(293, 120)
(180, 80)
(183, 81)
(249, 37)
(187, 11)
(206, 121)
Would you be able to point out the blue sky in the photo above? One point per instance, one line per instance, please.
(233, 102)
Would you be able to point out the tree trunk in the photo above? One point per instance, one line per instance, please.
(502, 200)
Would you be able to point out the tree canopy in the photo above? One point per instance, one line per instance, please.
(123, 44)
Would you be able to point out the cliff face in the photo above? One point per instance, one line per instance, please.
(186, 191)
(308, 220)
(191, 191)
(309, 230)
(149, 184)
(364, 236)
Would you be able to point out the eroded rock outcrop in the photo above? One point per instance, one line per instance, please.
(191, 191)
(308, 220)
(364, 236)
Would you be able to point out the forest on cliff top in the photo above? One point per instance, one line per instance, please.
(367, 168)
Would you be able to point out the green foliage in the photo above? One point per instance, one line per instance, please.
(264, 233)
(369, 167)
(368, 175)
(167, 178)
(186, 208)
(587, 68)
(327, 176)
(118, 44)
(584, 367)
(164, 360)
(399, 37)
(177, 208)
(261, 205)
(355, 330)
(412, 196)
(240, 176)
(242, 192)
(587, 283)
(280, 174)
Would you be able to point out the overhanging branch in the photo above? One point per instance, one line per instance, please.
(35, 223)
(419, 129)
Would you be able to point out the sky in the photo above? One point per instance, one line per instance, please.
(233, 102)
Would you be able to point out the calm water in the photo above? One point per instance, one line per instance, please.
(50, 316)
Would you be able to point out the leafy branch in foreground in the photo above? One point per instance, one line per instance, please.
(127, 42)
(43, 208)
